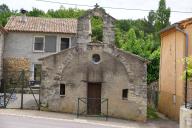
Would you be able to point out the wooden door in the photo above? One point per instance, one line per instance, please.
(94, 99)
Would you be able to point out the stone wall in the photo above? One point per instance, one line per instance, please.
(119, 70)
(185, 117)
(84, 27)
(1, 53)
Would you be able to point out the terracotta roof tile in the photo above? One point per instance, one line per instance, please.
(39, 24)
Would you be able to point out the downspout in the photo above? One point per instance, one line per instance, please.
(186, 55)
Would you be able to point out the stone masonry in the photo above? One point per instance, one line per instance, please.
(116, 70)
(1, 52)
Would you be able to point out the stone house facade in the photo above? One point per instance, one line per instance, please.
(74, 66)
(27, 41)
(93, 71)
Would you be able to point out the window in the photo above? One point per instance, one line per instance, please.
(65, 43)
(50, 43)
(39, 44)
(96, 58)
(62, 89)
(35, 75)
(37, 72)
(125, 93)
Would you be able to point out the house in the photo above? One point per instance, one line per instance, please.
(80, 79)
(176, 44)
(30, 38)
(79, 75)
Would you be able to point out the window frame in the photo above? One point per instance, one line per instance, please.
(43, 44)
(69, 42)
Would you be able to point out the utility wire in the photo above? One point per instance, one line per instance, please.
(128, 9)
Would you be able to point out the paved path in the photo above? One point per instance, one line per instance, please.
(10, 118)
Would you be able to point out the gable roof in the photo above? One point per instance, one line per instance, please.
(181, 24)
(40, 24)
(185, 20)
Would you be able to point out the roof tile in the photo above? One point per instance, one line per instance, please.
(40, 24)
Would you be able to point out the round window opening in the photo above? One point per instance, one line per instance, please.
(96, 58)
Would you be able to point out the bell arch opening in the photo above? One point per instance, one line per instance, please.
(96, 28)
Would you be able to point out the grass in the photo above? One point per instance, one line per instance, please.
(151, 113)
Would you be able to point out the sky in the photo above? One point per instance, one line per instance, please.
(175, 5)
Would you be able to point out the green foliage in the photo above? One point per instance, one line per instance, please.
(189, 68)
(162, 16)
(5, 12)
(4, 8)
(36, 13)
(149, 23)
(142, 45)
(137, 25)
(97, 28)
(153, 66)
(65, 13)
(141, 37)
(151, 113)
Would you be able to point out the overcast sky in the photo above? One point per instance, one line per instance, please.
(178, 5)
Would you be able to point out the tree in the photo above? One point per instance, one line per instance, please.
(36, 13)
(4, 8)
(97, 28)
(153, 66)
(150, 22)
(142, 45)
(4, 14)
(162, 16)
(65, 13)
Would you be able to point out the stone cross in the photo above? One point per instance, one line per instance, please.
(96, 5)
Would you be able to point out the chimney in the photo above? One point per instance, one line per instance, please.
(23, 17)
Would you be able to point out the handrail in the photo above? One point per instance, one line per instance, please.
(85, 100)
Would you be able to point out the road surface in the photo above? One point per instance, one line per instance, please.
(16, 118)
(13, 121)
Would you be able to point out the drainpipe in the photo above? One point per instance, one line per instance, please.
(186, 55)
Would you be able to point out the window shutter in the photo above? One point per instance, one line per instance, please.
(50, 43)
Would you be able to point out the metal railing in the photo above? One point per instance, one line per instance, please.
(93, 107)
(17, 89)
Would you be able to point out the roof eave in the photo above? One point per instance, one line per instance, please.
(9, 30)
(136, 56)
(168, 28)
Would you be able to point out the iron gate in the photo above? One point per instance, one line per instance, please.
(18, 91)
(82, 107)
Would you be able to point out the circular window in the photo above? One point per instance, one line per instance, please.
(96, 58)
